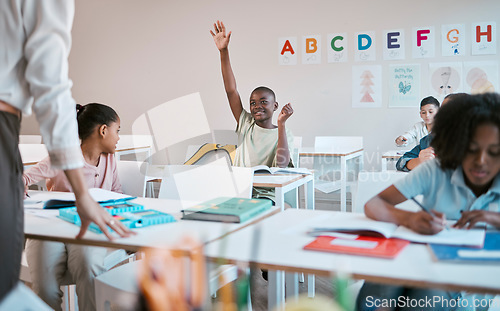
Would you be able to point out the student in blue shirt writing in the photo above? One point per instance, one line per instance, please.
(463, 182)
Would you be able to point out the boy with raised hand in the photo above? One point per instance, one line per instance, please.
(260, 142)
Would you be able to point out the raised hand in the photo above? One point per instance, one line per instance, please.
(285, 113)
(220, 38)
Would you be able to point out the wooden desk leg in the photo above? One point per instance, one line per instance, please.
(276, 290)
(343, 183)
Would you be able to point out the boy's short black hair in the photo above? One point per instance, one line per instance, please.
(265, 89)
(456, 123)
(429, 100)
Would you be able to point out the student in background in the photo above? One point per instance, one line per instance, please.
(429, 106)
(98, 128)
(422, 151)
(34, 49)
(462, 183)
(260, 142)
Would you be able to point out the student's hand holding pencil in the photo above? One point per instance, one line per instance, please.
(220, 38)
(426, 223)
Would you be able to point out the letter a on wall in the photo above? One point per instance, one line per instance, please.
(484, 38)
(287, 51)
(311, 49)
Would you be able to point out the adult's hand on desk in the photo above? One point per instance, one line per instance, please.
(425, 223)
(90, 211)
(471, 218)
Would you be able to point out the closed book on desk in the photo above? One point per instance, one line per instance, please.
(364, 246)
(227, 209)
(362, 225)
(489, 253)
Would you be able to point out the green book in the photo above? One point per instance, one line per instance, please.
(227, 209)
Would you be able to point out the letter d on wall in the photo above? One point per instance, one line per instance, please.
(364, 38)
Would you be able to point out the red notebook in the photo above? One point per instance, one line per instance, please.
(362, 245)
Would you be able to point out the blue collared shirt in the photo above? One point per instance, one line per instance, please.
(445, 190)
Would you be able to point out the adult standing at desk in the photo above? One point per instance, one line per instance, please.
(36, 39)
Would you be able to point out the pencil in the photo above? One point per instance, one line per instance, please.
(425, 209)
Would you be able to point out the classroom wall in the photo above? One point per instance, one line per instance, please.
(134, 55)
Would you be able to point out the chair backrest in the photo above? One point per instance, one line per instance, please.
(131, 177)
(337, 143)
(198, 183)
(208, 153)
(371, 183)
(30, 139)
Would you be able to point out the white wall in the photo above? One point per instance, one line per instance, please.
(134, 55)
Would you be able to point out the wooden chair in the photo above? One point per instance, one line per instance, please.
(209, 152)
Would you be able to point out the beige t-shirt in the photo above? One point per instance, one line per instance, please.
(257, 146)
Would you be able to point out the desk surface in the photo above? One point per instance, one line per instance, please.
(394, 154)
(282, 238)
(155, 172)
(334, 152)
(55, 229)
(31, 154)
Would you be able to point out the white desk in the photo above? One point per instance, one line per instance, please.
(280, 247)
(55, 229)
(31, 154)
(282, 183)
(344, 153)
(391, 155)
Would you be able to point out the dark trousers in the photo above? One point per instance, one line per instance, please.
(11, 203)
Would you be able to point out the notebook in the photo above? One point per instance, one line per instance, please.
(54, 200)
(489, 253)
(362, 225)
(362, 245)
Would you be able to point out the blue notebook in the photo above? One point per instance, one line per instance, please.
(490, 252)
